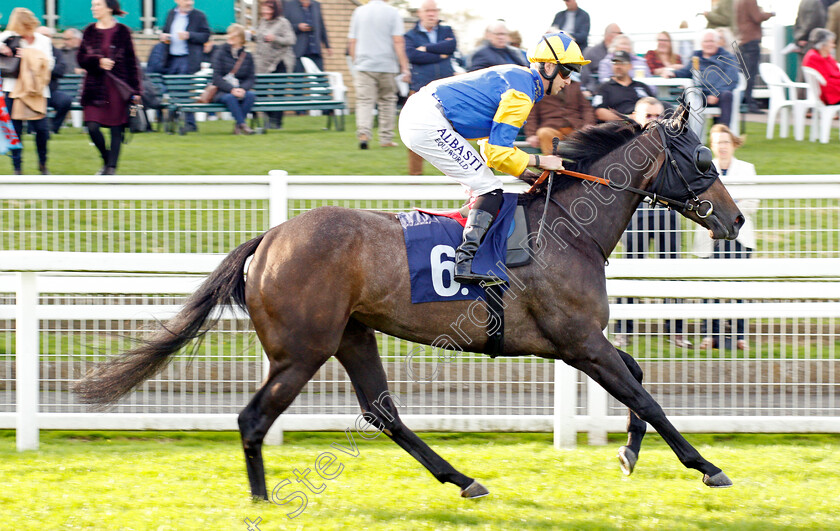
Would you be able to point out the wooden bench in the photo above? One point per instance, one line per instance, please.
(181, 94)
(275, 92)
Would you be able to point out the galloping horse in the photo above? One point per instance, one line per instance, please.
(320, 284)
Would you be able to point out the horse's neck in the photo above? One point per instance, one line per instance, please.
(603, 211)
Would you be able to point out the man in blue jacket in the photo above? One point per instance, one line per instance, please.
(308, 23)
(575, 22)
(715, 72)
(185, 32)
(429, 47)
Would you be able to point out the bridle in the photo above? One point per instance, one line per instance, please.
(693, 204)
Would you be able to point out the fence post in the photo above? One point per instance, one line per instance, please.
(278, 197)
(27, 359)
(278, 208)
(565, 404)
(596, 407)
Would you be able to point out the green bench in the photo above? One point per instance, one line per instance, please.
(275, 92)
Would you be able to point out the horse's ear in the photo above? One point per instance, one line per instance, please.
(680, 119)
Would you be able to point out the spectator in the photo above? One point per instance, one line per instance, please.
(305, 17)
(516, 42)
(35, 50)
(59, 101)
(589, 73)
(723, 144)
(107, 54)
(558, 116)
(833, 24)
(663, 57)
(659, 226)
(622, 43)
(377, 49)
(497, 51)
(72, 40)
(490, 104)
(720, 15)
(647, 109)
(716, 72)
(621, 92)
(234, 74)
(726, 39)
(275, 39)
(575, 22)
(811, 14)
(821, 58)
(185, 31)
(156, 62)
(748, 19)
(429, 46)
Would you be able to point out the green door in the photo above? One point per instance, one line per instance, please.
(220, 13)
(76, 14)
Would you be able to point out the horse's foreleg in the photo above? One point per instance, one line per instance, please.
(636, 427)
(601, 362)
(283, 384)
(359, 355)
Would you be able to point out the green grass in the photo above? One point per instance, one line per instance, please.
(172, 480)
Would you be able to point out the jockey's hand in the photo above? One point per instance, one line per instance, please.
(550, 162)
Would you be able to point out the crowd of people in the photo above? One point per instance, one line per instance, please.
(487, 94)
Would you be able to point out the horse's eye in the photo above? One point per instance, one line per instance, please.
(702, 159)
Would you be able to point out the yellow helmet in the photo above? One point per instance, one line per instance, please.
(560, 48)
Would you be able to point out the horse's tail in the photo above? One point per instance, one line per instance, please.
(109, 381)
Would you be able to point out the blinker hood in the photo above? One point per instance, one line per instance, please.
(688, 170)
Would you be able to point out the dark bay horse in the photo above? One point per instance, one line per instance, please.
(320, 284)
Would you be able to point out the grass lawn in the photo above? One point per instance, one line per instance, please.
(174, 480)
(304, 148)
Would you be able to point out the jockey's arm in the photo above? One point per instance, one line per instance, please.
(498, 148)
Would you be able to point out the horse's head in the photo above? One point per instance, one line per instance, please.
(688, 175)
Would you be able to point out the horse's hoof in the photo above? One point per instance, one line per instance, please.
(475, 490)
(718, 481)
(627, 459)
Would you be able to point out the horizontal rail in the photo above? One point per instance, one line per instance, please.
(448, 423)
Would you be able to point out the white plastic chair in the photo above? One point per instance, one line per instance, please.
(823, 114)
(784, 102)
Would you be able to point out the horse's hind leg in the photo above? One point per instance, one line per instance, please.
(359, 355)
(600, 361)
(280, 388)
(636, 427)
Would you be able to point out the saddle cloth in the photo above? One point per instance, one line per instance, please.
(432, 237)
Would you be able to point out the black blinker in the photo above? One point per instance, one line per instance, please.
(702, 159)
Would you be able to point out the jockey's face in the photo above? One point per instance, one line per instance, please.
(560, 82)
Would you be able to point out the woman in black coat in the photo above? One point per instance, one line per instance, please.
(112, 80)
(235, 91)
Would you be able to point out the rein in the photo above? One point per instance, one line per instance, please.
(694, 204)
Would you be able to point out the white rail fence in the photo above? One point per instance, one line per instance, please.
(62, 312)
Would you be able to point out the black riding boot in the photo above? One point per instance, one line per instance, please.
(478, 223)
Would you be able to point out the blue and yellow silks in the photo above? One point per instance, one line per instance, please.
(492, 105)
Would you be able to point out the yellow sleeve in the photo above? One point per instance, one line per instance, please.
(498, 149)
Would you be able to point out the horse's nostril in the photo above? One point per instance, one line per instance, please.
(739, 221)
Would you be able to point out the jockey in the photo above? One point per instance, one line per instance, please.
(491, 105)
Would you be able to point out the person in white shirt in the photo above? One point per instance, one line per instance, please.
(723, 144)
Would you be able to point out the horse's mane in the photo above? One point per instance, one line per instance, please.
(586, 146)
(590, 144)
